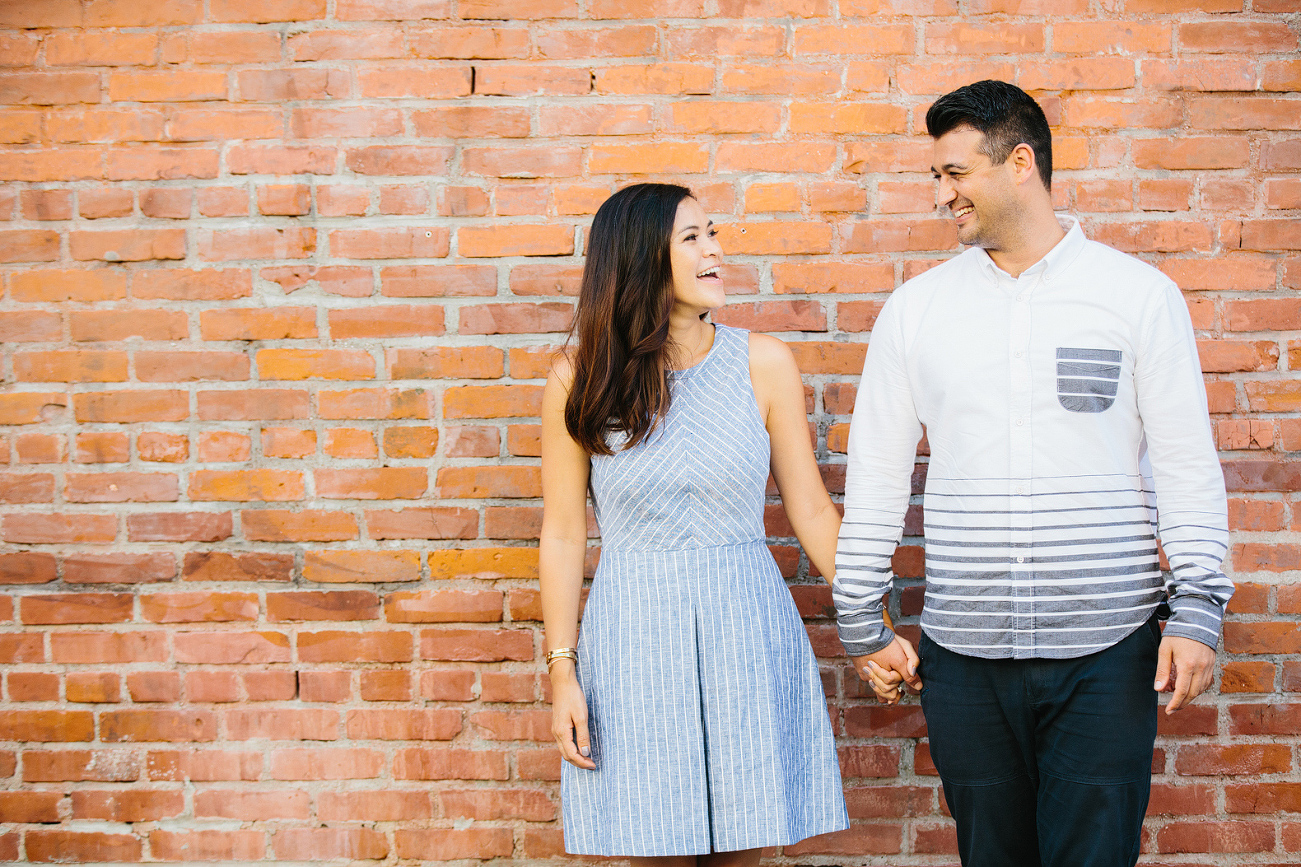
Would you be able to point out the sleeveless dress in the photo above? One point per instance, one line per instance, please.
(708, 721)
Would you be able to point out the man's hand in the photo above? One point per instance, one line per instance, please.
(1184, 667)
(888, 669)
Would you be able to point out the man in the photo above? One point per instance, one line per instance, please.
(1059, 386)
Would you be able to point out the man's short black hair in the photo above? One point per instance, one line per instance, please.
(1005, 114)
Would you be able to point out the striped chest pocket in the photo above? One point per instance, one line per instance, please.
(1087, 379)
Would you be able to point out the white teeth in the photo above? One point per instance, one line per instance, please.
(709, 272)
(963, 211)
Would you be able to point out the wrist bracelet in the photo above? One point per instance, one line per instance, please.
(562, 653)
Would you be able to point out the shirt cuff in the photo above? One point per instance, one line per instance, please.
(1196, 617)
(863, 638)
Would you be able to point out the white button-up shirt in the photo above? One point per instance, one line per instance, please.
(1067, 422)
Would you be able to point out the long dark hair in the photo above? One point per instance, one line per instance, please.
(622, 323)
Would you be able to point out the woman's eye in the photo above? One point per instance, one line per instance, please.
(713, 233)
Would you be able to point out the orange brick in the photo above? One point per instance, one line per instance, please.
(410, 442)
(361, 567)
(422, 281)
(313, 525)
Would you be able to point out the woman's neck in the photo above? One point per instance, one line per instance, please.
(691, 338)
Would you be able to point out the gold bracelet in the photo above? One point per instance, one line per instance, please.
(562, 653)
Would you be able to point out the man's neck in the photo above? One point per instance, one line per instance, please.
(1039, 236)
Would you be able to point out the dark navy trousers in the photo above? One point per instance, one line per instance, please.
(1045, 762)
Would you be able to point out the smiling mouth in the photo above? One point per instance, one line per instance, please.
(709, 274)
(965, 210)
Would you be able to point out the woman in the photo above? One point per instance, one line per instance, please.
(691, 716)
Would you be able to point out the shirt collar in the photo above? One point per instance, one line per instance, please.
(1055, 262)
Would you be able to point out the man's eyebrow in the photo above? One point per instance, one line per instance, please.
(949, 167)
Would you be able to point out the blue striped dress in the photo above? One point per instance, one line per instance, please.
(708, 721)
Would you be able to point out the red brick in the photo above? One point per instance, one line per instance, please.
(37, 528)
(386, 321)
(38, 449)
(204, 766)
(205, 607)
(318, 605)
(385, 483)
(246, 648)
(36, 245)
(390, 243)
(246, 485)
(32, 686)
(139, 805)
(27, 567)
(191, 846)
(410, 442)
(160, 447)
(154, 686)
(422, 281)
(102, 447)
(157, 725)
(75, 366)
(120, 487)
(47, 766)
(404, 725)
(367, 646)
(373, 403)
(131, 406)
(288, 442)
(297, 364)
(313, 525)
(450, 844)
(81, 846)
(118, 568)
(1191, 152)
(47, 286)
(423, 523)
(361, 567)
(26, 488)
(1215, 837)
(191, 366)
(479, 482)
(224, 245)
(385, 686)
(258, 160)
(220, 566)
(251, 805)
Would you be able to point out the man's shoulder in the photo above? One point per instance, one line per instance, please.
(1102, 261)
(940, 275)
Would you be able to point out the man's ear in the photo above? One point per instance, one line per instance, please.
(1023, 164)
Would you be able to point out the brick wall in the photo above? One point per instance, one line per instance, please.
(280, 278)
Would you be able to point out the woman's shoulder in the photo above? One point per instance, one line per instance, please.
(768, 353)
(562, 370)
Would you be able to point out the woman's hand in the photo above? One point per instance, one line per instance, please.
(569, 718)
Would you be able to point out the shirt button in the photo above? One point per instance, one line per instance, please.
(1020, 490)
(1020, 559)
(1018, 353)
(1020, 298)
(1020, 422)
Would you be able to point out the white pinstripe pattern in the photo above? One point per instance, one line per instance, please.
(709, 726)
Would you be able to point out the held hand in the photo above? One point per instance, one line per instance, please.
(1184, 667)
(889, 669)
(569, 722)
